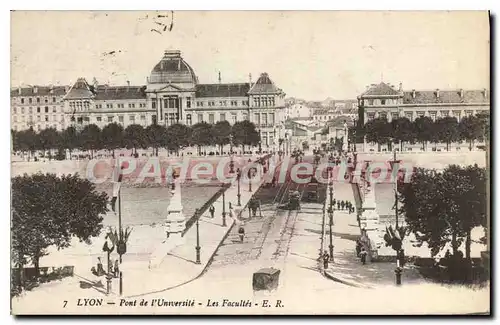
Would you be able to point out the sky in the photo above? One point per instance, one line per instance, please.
(310, 54)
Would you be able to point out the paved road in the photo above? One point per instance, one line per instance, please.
(286, 240)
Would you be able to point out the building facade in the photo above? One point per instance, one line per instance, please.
(38, 107)
(384, 100)
(171, 95)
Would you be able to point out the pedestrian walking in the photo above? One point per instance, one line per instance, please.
(363, 254)
(326, 259)
(241, 233)
(338, 205)
(212, 211)
(342, 204)
(334, 201)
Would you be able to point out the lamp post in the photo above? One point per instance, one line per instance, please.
(286, 144)
(396, 242)
(231, 163)
(395, 164)
(223, 206)
(198, 248)
(108, 250)
(238, 176)
(250, 180)
(330, 215)
(260, 141)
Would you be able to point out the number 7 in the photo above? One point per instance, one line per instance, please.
(65, 303)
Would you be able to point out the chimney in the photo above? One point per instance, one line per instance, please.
(19, 90)
(220, 79)
(66, 89)
(485, 92)
(437, 93)
(400, 86)
(367, 87)
(413, 93)
(250, 79)
(128, 83)
(461, 93)
(35, 89)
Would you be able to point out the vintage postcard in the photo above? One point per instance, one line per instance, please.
(261, 162)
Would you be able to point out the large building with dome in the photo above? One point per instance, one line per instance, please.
(172, 94)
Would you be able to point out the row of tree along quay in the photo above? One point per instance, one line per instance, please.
(112, 137)
(424, 130)
(442, 208)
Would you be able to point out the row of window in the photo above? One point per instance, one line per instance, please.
(38, 100)
(212, 103)
(381, 101)
(46, 118)
(263, 101)
(121, 118)
(79, 104)
(432, 114)
(38, 110)
(261, 119)
(39, 127)
(211, 118)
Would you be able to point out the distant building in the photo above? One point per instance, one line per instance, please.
(38, 107)
(171, 95)
(384, 100)
(298, 110)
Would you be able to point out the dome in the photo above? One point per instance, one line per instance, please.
(172, 69)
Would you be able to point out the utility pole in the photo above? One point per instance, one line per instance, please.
(223, 206)
(330, 214)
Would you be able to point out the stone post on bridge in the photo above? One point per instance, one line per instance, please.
(370, 220)
(176, 221)
(175, 224)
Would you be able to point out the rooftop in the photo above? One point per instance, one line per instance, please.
(222, 90)
(264, 85)
(38, 91)
(446, 96)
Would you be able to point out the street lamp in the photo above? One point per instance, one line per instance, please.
(394, 237)
(231, 163)
(250, 180)
(108, 250)
(330, 215)
(198, 248)
(238, 177)
(223, 206)
(260, 142)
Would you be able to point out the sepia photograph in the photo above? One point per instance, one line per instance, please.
(174, 162)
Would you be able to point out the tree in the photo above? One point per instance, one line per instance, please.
(484, 122)
(423, 130)
(470, 129)
(134, 137)
(222, 131)
(447, 129)
(444, 207)
(245, 133)
(112, 137)
(70, 139)
(90, 139)
(156, 136)
(202, 135)
(402, 131)
(27, 141)
(178, 136)
(14, 135)
(378, 131)
(49, 210)
(48, 139)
